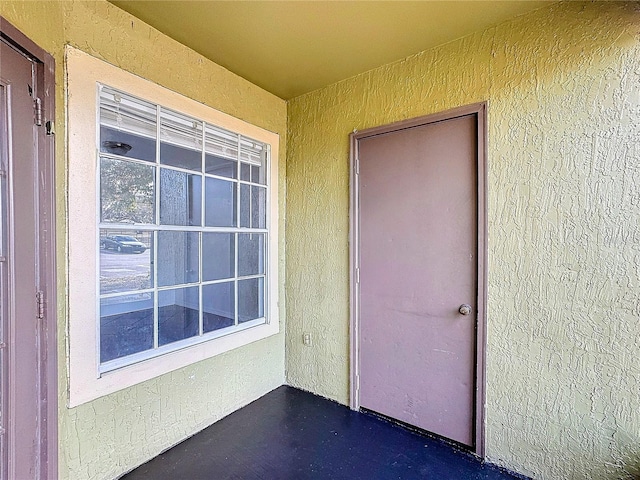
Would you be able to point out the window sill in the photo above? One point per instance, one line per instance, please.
(87, 386)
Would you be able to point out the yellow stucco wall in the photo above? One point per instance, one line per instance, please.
(563, 86)
(108, 436)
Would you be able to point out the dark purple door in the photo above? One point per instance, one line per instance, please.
(418, 275)
(19, 352)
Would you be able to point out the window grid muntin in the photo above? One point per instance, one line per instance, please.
(264, 163)
(201, 240)
(180, 285)
(156, 302)
(235, 236)
(156, 165)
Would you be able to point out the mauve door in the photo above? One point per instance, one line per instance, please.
(418, 266)
(19, 353)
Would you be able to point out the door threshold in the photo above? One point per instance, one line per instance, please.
(461, 447)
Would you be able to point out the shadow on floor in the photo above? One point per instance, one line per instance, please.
(291, 434)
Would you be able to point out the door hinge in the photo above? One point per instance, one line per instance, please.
(37, 109)
(357, 166)
(40, 304)
(357, 275)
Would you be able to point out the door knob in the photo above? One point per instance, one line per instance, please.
(465, 309)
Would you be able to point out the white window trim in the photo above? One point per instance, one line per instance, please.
(84, 72)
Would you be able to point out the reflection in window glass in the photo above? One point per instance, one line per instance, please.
(178, 258)
(181, 141)
(218, 305)
(127, 192)
(220, 203)
(178, 316)
(180, 198)
(125, 261)
(126, 325)
(218, 260)
(250, 254)
(250, 299)
(127, 125)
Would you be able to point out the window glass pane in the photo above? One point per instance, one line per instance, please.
(178, 258)
(220, 207)
(218, 256)
(177, 314)
(254, 153)
(181, 141)
(258, 175)
(127, 192)
(253, 206)
(218, 303)
(125, 261)
(245, 205)
(221, 149)
(126, 325)
(250, 299)
(220, 166)
(245, 172)
(180, 198)
(180, 157)
(127, 125)
(250, 254)
(258, 207)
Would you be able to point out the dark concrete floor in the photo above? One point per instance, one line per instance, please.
(290, 434)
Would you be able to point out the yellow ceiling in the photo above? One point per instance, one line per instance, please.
(293, 47)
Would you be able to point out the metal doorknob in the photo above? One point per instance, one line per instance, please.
(465, 309)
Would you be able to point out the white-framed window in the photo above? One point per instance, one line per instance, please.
(172, 230)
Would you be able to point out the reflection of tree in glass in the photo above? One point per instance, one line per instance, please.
(126, 192)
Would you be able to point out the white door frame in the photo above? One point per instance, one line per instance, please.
(480, 110)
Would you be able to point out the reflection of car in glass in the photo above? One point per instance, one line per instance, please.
(122, 243)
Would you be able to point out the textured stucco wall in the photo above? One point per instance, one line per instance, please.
(108, 436)
(563, 86)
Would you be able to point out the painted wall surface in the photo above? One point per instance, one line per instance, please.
(563, 86)
(108, 436)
